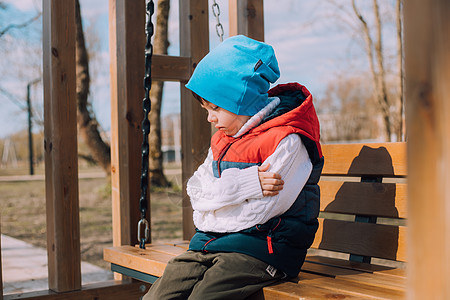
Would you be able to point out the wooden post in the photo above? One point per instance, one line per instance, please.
(427, 65)
(127, 43)
(60, 143)
(247, 18)
(196, 131)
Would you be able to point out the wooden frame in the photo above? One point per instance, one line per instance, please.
(195, 130)
(247, 18)
(60, 143)
(427, 64)
(127, 23)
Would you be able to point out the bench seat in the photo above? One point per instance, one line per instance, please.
(359, 251)
(320, 278)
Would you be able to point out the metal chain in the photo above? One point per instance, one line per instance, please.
(219, 27)
(146, 103)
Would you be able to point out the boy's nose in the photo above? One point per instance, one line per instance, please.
(211, 118)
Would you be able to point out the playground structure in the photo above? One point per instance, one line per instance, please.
(427, 67)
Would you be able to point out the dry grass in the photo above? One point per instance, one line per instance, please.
(22, 208)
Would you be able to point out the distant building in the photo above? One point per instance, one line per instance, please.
(171, 138)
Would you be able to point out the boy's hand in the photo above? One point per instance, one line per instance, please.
(270, 182)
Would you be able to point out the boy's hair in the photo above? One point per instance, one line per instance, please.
(198, 98)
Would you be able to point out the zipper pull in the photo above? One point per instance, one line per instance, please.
(269, 242)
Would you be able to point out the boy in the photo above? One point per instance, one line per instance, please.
(255, 198)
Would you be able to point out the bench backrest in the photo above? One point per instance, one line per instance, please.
(363, 201)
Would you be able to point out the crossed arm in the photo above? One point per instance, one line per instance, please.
(241, 198)
(270, 182)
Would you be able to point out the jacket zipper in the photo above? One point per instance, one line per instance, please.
(269, 237)
(269, 242)
(224, 151)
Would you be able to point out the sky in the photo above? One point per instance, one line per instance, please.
(310, 49)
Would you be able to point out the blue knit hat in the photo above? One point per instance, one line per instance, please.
(236, 75)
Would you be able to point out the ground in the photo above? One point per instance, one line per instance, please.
(22, 208)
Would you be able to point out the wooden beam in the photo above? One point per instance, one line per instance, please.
(196, 131)
(60, 143)
(364, 159)
(108, 290)
(171, 68)
(247, 18)
(127, 43)
(427, 66)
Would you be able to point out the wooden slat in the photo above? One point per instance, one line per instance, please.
(353, 265)
(165, 248)
(312, 286)
(375, 240)
(170, 68)
(151, 260)
(61, 161)
(289, 290)
(394, 272)
(247, 18)
(196, 131)
(364, 198)
(379, 280)
(338, 268)
(376, 278)
(142, 260)
(327, 270)
(427, 93)
(108, 290)
(359, 289)
(387, 159)
(127, 43)
(181, 244)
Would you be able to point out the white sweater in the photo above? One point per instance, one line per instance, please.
(235, 201)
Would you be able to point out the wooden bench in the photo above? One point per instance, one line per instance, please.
(359, 250)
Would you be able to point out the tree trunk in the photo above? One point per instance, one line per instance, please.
(381, 76)
(87, 123)
(160, 45)
(378, 77)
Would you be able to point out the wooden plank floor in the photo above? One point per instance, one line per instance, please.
(321, 277)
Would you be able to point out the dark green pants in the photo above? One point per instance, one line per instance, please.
(207, 276)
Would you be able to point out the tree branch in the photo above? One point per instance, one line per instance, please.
(384, 99)
(380, 89)
(19, 26)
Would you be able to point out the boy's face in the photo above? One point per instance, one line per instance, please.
(223, 119)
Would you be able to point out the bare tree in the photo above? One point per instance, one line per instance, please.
(346, 110)
(388, 96)
(160, 45)
(87, 123)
